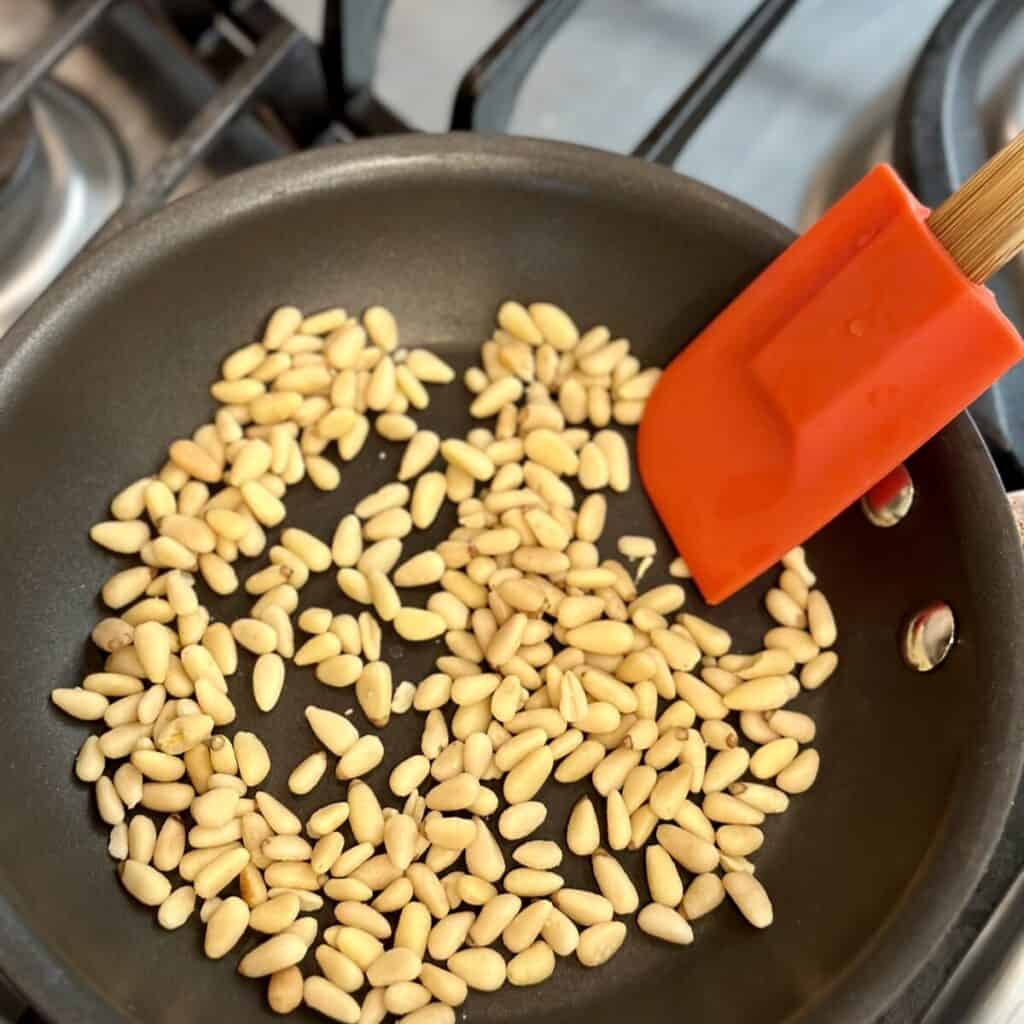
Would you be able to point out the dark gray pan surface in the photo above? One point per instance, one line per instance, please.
(866, 871)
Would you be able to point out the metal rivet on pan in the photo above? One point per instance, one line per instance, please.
(890, 499)
(928, 636)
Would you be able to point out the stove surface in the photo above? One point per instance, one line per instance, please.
(802, 123)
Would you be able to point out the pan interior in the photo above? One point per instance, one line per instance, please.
(116, 363)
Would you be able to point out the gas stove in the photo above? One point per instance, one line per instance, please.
(111, 108)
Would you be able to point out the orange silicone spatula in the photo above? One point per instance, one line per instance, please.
(856, 345)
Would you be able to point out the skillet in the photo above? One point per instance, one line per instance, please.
(867, 871)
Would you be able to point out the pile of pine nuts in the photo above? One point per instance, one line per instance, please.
(554, 665)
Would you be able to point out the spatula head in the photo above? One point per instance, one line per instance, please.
(845, 355)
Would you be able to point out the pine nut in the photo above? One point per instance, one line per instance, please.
(514, 318)
(765, 693)
(784, 610)
(615, 452)
(141, 839)
(481, 969)
(275, 915)
(532, 966)
(117, 842)
(727, 810)
(253, 759)
(365, 817)
(418, 625)
(413, 929)
(725, 768)
(528, 776)
(339, 671)
(450, 833)
(307, 773)
(177, 908)
(254, 635)
(614, 883)
(225, 927)
(145, 883)
(214, 808)
(541, 854)
(427, 497)
(90, 762)
(750, 898)
(125, 537)
(739, 840)
(600, 942)
(666, 924)
(467, 458)
(495, 916)
(695, 854)
(362, 757)
(284, 992)
(428, 889)
(773, 757)
(818, 670)
(521, 820)
(772, 662)
(326, 998)
(821, 621)
(449, 935)
(421, 450)
(602, 637)
(169, 797)
(84, 705)
(800, 774)
(618, 821)
(500, 393)
(526, 926)
(405, 998)
(222, 870)
(560, 933)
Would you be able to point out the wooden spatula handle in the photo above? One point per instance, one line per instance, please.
(981, 225)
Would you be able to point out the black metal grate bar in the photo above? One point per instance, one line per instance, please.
(17, 82)
(204, 129)
(487, 93)
(351, 42)
(665, 141)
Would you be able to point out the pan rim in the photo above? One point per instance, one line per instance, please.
(981, 798)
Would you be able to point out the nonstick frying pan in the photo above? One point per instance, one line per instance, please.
(866, 871)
